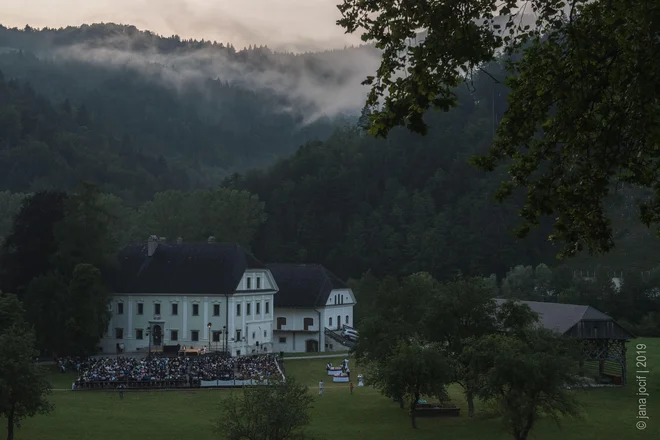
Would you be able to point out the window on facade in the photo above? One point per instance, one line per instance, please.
(342, 299)
(174, 335)
(238, 335)
(175, 309)
(265, 334)
(238, 310)
(156, 309)
(330, 321)
(257, 311)
(194, 335)
(254, 336)
(248, 282)
(120, 308)
(238, 352)
(267, 307)
(282, 340)
(281, 322)
(139, 334)
(216, 309)
(346, 319)
(248, 309)
(140, 309)
(308, 322)
(258, 282)
(195, 310)
(216, 336)
(119, 333)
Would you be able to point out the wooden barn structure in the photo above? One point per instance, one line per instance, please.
(605, 338)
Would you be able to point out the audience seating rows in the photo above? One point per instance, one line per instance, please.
(167, 372)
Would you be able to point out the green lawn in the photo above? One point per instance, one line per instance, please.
(609, 413)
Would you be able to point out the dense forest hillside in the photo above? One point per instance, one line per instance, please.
(44, 146)
(156, 119)
(205, 105)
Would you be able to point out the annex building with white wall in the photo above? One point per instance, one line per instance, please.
(219, 296)
(311, 304)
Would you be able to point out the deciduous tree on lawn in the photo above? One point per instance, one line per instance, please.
(23, 387)
(277, 411)
(527, 376)
(414, 369)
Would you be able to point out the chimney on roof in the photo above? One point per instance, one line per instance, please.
(152, 244)
(211, 239)
(179, 240)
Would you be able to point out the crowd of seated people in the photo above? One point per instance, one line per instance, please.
(161, 371)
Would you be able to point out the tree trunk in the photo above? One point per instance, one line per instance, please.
(470, 401)
(10, 425)
(413, 409)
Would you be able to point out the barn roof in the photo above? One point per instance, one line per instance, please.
(196, 268)
(303, 285)
(562, 317)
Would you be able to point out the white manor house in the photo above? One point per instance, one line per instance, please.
(219, 296)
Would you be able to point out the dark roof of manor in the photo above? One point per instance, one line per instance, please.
(196, 268)
(303, 285)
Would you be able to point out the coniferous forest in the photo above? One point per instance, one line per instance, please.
(261, 156)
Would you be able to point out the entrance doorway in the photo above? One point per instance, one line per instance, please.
(311, 346)
(157, 335)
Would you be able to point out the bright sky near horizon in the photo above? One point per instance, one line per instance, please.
(296, 25)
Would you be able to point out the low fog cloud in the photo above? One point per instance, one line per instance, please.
(315, 84)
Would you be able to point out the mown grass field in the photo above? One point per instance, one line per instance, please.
(609, 413)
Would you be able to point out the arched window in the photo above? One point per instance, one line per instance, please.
(330, 322)
(347, 320)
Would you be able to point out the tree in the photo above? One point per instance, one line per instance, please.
(23, 388)
(566, 149)
(69, 313)
(278, 410)
(228, 214)
(46, 299)
(414, 369)
(10, 204)
(85, 233)
(463, 308)
(394, 314)
(527, 376)
(27, 251)
(87, 314)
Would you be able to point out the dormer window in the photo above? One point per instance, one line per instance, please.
(248, 282)
(258, 282)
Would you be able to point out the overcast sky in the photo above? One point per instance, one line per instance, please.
(280, 24)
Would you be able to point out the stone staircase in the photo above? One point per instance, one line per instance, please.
(336, 336)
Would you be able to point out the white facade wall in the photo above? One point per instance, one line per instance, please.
(338, 310)
(250, 328)
(292, 336)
